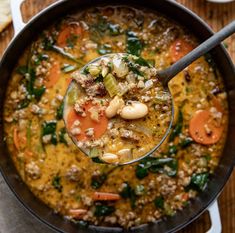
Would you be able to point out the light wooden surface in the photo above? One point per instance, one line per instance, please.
(216, 15)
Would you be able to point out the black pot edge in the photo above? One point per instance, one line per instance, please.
(227, 175)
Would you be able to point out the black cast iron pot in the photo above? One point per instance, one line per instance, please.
(224, 63)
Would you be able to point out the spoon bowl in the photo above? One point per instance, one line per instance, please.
(74, 85)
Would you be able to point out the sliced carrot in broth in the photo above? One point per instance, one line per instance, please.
(86, 122)
(77, 213)
(16, 138)
(217, 104)
(103, 196)
(203, 129)
(53, 76)
(179, 49)
(68, 80)
(73, 29)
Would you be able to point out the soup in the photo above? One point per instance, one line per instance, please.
(117, 110)
(83, 190)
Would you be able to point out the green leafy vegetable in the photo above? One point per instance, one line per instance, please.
(48, 42)
(134, 67)
(104, 49)
(29, 80)
(56, 182)
(198, 181)
(141, 172)
(49, 128)
(71, 41)
(159, 202)
(103, 210)
(40, 57)
(172, 150)
(142, 62)
(67, 68)
(151, 62)
(114, 29)
(98, 180)
(62, 134)
(38, 92)
(168, 166)
(134, 45)
(177, 128)
(23, 104)
(159, 166)
(49, 45)
(59, 112)
(186, 142)
(97, 160)
(128, 192)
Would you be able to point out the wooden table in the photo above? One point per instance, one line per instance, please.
(216, 15)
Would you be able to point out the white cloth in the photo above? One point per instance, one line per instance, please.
(14, 218)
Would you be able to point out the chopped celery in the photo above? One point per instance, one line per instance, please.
(72, 95)
(94, 70)
(95, 152)
(111, 85)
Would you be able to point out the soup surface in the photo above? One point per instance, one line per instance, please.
(73, 185)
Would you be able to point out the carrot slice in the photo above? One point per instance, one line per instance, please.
(185, 197)
(77, 213)
(86, 122)
(68, 80)
(217, 104)
(199, 126)
(102, 196)
(28, 153)
(73, 29)
(53, 76)
(16, 138)
(179, 49)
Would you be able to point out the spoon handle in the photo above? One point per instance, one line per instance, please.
(167, 74)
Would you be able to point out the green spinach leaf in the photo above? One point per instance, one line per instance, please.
(56, 182)
(198, 181)
(49, 128)
(59, 112)
(159, 202)
(129, 192)
(103, 210)
(134, 44)
(177, 128)
(62, 134)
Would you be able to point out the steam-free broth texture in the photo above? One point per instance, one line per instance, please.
(74, 185)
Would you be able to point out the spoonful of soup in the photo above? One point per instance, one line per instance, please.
(118, 108)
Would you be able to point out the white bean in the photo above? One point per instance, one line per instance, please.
(125, 153)
(134, 111)
(115, 104)
(109, 158)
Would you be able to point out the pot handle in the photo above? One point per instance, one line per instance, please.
(214, 213)
(17, 19)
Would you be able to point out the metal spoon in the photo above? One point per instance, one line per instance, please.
(165, 76)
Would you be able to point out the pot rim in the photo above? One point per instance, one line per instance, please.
(213, 196)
